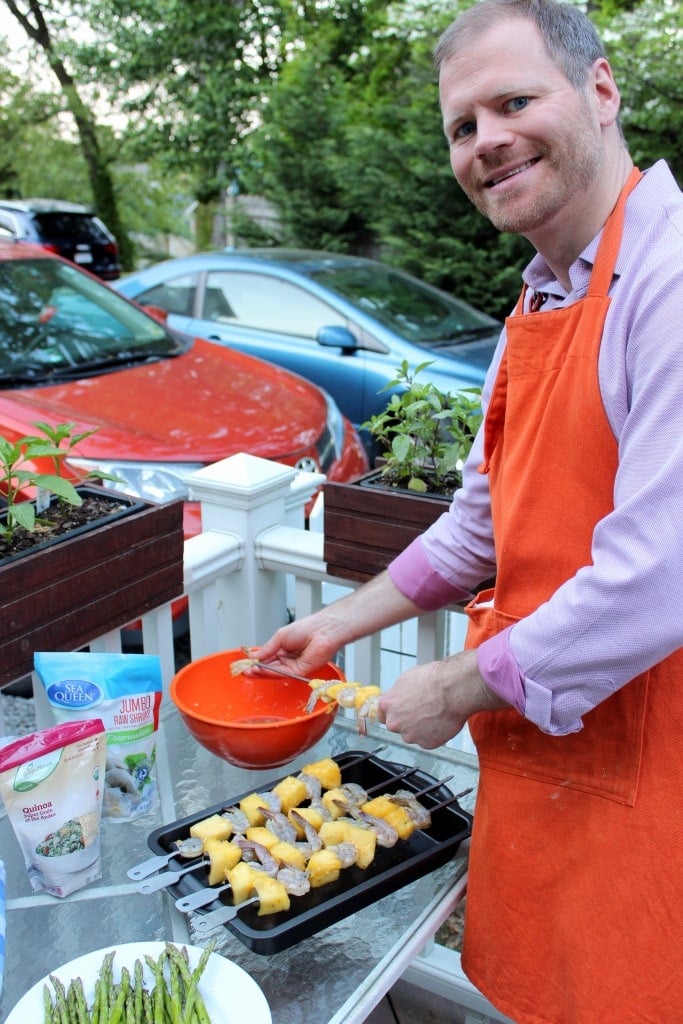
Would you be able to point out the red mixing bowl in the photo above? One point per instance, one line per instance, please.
(252, 721)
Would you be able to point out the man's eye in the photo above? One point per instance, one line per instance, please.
(518, 103)
(463, 130)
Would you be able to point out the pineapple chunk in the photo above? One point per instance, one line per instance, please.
(213, 827)
(364, 839)
(223, 856)
(273, 897)
(326, 771)
(290, 792)
(329, 801)
(395, 815)
(333, 689)
(400, 819)
(261, 834)
(333, 832)
(241, 879)
(287, 853)
(311, 815)
(364, 693)
(323, 867)
(251, 806)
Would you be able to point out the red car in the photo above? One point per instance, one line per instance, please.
(162, 405)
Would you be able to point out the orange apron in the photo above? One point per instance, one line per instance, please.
(576, 867)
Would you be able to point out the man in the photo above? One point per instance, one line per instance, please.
(572, 678)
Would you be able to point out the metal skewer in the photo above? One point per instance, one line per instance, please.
(394, 778)
(200, 899)
(165, 878)
(239, 666)
(220, 916)
(148, 867)
(364, 757)
(451, 800)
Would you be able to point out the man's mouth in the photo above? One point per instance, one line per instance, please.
(511, 173)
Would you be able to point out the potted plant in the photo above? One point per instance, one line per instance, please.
(424, 435)
(76, 559)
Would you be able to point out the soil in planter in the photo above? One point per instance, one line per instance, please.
(59, 519)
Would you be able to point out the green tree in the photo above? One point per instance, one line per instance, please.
(644, 46)
(352, 152)
(31, 15)
(187, 74)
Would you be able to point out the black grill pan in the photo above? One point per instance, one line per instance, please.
(356, 888)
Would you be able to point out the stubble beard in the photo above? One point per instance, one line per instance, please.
(569, 171)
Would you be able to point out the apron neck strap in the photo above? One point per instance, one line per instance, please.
(603, 268)
(608, 249)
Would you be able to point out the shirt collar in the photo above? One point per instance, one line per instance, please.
(539, 277)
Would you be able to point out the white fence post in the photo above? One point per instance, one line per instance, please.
(244, 495)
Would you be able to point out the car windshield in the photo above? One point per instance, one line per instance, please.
(57, 322)
(412, 309)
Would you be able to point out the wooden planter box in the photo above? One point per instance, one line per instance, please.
(66, 593)
(367, 526)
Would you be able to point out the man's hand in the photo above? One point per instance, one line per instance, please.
(430, 704)
(307, 644)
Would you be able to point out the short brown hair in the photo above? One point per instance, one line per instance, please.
(569, 36)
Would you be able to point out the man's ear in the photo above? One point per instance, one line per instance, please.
(604, 93)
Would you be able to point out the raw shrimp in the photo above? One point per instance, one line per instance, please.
(318, 805)
(346, 852)
(419, 815)
(318, 688)
(237, 818)
(313, 786)
(313, 841)
(270, 801)
(265, 858)
(353, 797)
(387, 836)
(367, 712)
(294, 880)
(280, 825)
(190, 847)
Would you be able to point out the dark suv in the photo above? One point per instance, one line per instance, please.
(69, 229)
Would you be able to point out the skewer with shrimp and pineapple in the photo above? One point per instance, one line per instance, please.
(303, 846)
(362, 699)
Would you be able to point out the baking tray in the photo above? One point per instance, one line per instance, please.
(356, 888)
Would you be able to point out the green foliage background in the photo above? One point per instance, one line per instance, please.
(328, 110)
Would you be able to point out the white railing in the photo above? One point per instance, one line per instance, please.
(253, 565)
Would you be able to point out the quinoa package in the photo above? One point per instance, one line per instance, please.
(124, 690)
(52, 783)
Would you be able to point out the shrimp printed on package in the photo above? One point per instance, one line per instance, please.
(124, 690)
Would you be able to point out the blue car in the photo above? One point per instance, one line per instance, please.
(344, 322)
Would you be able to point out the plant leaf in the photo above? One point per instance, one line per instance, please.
(24, 514)
(61, 487)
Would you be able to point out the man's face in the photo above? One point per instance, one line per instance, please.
(524, 145)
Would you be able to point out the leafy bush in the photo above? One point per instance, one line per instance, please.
(425, 434)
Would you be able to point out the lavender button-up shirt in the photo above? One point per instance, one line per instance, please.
(622, 613)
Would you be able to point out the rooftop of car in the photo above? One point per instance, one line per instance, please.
(38, 205)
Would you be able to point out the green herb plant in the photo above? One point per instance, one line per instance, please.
(18, 472)
(424, 434)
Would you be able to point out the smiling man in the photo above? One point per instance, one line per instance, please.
(572, 678)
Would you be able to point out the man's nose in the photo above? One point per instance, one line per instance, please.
(492, 132)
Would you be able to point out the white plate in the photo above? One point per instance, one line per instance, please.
(231, 996)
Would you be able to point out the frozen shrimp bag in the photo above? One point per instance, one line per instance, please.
(52, 785)
(124, 690)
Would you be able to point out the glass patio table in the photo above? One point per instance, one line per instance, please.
(337, 975)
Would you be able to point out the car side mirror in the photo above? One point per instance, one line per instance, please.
(158, 313)
(337, 337)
